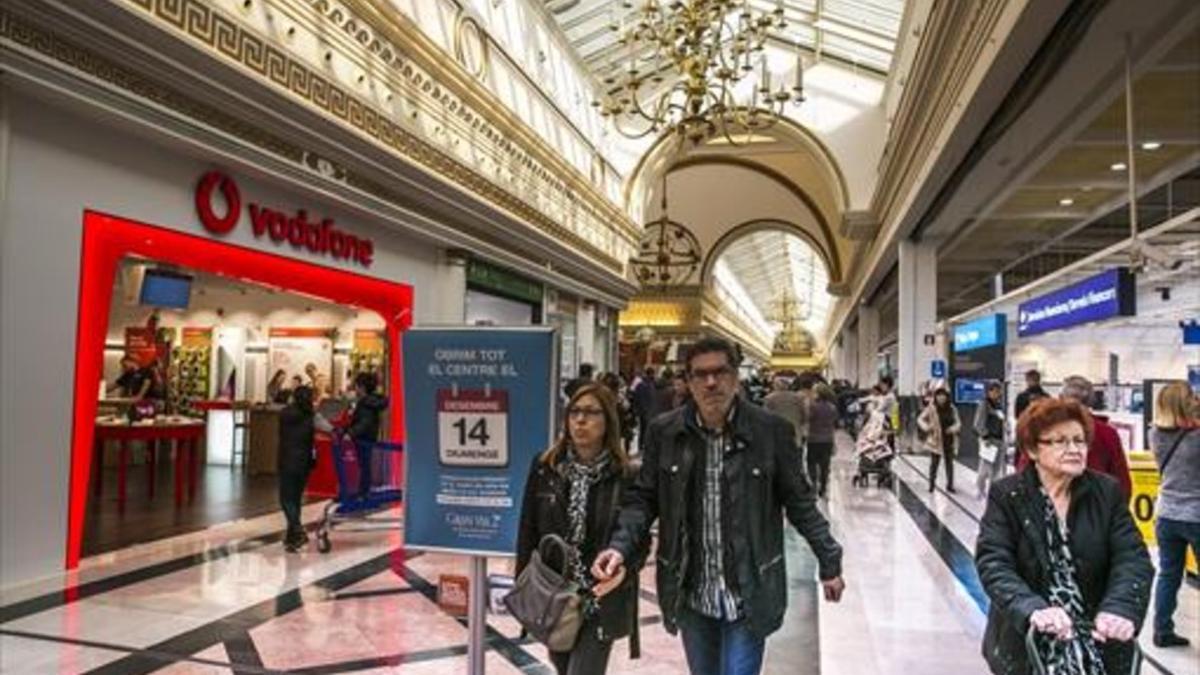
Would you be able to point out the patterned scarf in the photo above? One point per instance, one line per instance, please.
(581, 477)
(1079, 655)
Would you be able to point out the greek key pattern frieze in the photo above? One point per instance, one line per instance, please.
(207, 26)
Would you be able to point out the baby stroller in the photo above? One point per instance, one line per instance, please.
(874, 451)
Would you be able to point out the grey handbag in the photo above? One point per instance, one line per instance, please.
(545, 602)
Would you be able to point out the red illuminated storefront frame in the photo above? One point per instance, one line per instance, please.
(107, 239)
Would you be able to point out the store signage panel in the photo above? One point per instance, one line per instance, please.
(219, 207)
(478, 408)
(1108, 294)
(984, 332)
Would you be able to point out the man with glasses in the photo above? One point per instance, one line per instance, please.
(719, 475)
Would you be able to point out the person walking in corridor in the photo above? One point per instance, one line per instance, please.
(940, 423)
(573, 490)
(822, 417)
(991, 427)
(1059, 556)
(718, 476)
(791, 406)
(1176, 444)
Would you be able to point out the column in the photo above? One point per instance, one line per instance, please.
(917, 337)
(449, 297)
(848, 367)
(868, 345)
(585, 318)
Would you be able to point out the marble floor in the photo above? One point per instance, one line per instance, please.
(229, 600)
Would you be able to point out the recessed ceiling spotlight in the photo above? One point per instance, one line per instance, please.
(1151, 145)
(1119, 166)
(1066, 201)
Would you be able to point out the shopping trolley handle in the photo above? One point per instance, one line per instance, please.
(1082, 630)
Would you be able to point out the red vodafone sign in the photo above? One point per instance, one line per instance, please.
(321, 237)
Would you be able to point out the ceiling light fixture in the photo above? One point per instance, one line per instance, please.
(1151, 145)
(702, 50)
(1119, 166)
(1066, 201)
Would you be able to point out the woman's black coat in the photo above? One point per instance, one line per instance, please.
(1112, 566)
(296, 432)
(544, 511)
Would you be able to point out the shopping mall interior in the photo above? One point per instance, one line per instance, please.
(308, 309)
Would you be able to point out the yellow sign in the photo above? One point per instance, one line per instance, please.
(1143, 472)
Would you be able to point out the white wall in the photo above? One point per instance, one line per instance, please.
(1145, 352)
(59, 164)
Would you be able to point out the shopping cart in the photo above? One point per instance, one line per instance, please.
(355, 508)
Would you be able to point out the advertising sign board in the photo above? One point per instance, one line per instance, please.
(983, 332)
(478, 407)
(1105, 295)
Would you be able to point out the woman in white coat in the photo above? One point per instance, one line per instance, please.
(940, 424)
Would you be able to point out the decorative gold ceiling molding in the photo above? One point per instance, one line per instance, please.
(692, 309)
(828, 248)
(445, 69)
(663, 146)
(230, 41)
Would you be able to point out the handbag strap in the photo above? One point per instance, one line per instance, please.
(552, 543)
(1171, 453)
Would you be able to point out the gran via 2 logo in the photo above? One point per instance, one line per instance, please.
(320, 237)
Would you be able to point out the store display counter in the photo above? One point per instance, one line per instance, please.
(181, 433)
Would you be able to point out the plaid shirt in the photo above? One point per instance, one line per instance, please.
(712, 596)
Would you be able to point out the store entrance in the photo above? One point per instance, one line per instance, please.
(187, 350)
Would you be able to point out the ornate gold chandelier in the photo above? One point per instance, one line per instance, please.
(707, 47)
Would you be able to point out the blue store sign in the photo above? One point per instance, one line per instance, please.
(478, 407)
(1109, 294)
(984, 332)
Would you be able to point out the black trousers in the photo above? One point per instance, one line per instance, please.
(590, 656)
(819, 455)
(291, 493)
(934, 460)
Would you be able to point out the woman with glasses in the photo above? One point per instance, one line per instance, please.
(1059, 556)
(574, 490)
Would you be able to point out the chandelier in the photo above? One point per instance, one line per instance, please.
(668, 253)
(699, 50)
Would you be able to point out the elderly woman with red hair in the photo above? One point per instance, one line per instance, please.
(1059, 556)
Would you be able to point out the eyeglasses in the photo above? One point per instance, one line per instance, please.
(1061, 444)
(703, 375)
(585, 413)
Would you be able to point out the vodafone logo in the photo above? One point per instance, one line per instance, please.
(320, 237)
(204, 202)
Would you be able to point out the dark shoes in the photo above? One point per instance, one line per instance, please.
(294, 541)
(1170, 640)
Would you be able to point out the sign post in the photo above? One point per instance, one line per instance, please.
(478, 407)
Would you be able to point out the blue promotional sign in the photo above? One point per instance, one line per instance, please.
(983, 332)
(937, 369)
(478, 407)
(1103, 296)
(967, 390)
